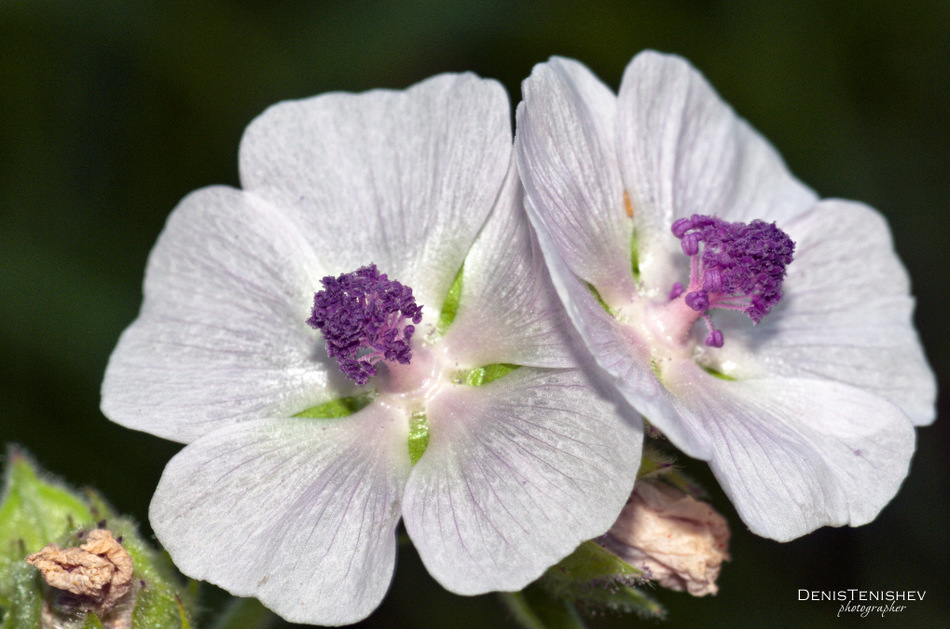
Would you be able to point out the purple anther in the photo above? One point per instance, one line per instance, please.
(690, 244)
(735, 266)
(712, 282)
(698, 300)
(364, 317)
(677, 290)
(681, 226)
(714, 339)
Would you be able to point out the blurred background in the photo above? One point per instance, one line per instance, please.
(110, 112)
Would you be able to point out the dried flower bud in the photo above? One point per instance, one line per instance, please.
(96, 575)
(679, 540)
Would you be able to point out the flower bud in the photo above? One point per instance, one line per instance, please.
(678, 541)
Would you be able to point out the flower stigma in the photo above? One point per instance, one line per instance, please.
(365, 317)
(733, 266)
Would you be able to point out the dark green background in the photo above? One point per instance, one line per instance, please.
(112, 111)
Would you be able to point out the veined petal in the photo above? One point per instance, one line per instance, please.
(568, 162)
(617, 350)
(508, 312)
(796, 454)
(682, 151)
(300, 513)
(516, 474)
(847, 313)
(222, 334)
(403, 179)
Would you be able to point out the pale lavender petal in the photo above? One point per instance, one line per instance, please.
(508, 311)
(795, 454)
(222, 334)
(300, 513)
(568, 162)
(618, 350)
(517, 473)
(402, 179)
(682, 151)
(846, 314)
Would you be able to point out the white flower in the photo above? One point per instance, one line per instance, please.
(806, 418)
(269, 500)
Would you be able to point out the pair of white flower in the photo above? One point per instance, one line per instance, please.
(498, 443)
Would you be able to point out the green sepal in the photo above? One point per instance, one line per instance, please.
(340, 407)
(92, 622)
(245, 613)
(34, 511)
(536, 608)
(483, 375)
(37, 510)
(592, 577)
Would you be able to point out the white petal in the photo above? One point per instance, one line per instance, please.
(222, 334)
(846, 314)
(403, 179)
(300, 513)
(568, 162)
(796, 454)
(508, 311)
(517, 473)
(623, 355)
(684, 151)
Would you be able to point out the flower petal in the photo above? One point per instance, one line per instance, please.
(403, 179)
(796, 454)
(624, 356)
(568, 162)
(516, 474)
(846, 314)
(508, 312)
(222, 334)
(682, 151)
(300, 513)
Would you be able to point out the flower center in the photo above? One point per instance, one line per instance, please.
(734, 266)
(364, 317)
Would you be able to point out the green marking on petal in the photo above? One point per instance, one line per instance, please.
(717, 374)
(418, 436)
(635, 257)
(483, 375)
(337, 408)
(600, 300)
(451, 304)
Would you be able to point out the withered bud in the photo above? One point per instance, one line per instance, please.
(679, 540)
(96, 575)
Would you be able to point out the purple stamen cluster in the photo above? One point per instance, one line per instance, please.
(741, 267)
(364, 317)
